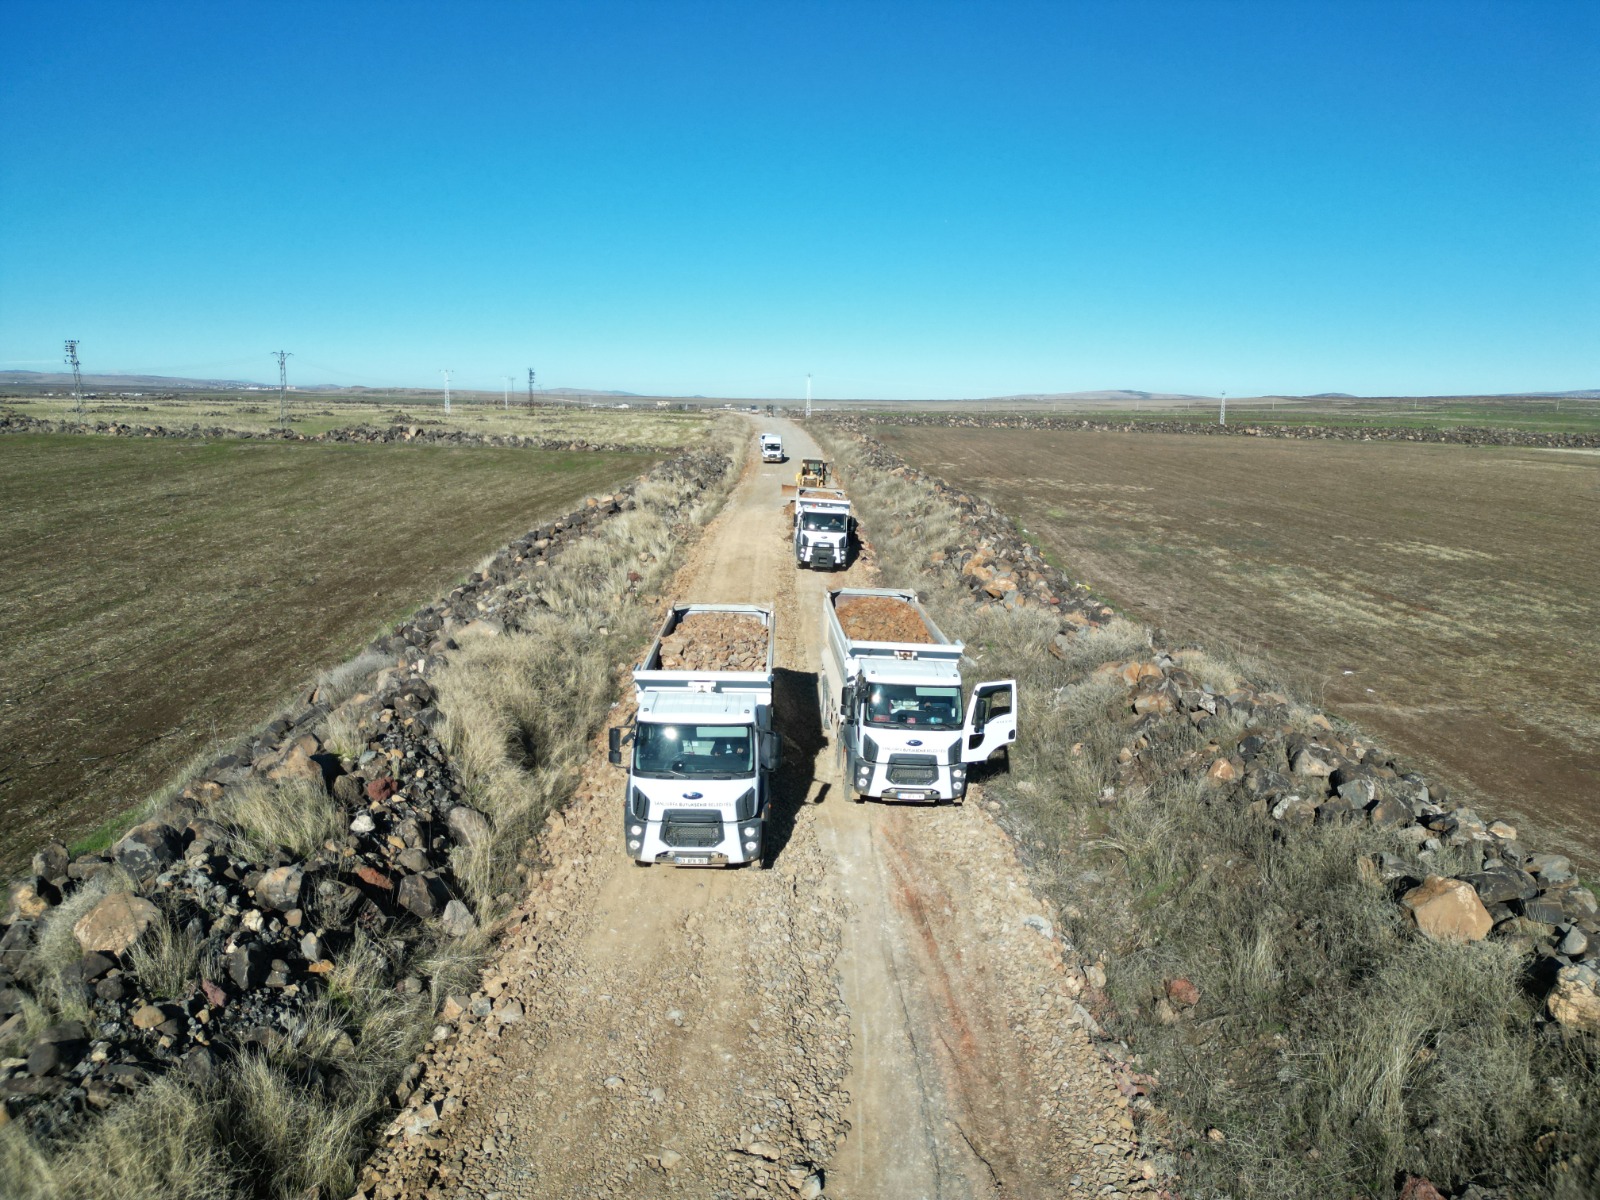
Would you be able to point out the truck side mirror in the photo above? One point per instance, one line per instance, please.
(615, 754)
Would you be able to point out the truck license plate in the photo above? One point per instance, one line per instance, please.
(692, 860)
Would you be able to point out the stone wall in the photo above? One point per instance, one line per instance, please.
(1458, 436)
(419, 435)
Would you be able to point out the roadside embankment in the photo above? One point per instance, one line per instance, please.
(1464, 435)
(224, 1001)
(1335, 980)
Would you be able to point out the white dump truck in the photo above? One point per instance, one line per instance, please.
(771, 448)
(699, 788)
(823, 522)
(891, 696)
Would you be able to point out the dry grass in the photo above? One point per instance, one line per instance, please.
(297, 815)
(1333, 1047)
(163, 594)
(166, 959)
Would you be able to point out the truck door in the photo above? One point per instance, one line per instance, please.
(991, 720)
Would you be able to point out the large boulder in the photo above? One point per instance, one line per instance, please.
(146, 849)
(1575, 999)
(1501, 884)
(1448, 909)
(467, 825)
(281, 887)
(116, 923)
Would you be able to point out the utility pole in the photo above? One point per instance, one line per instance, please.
(77, 379)
(446, 374)
(808, 397)
(530, 387)
(283, 382)
(505, 400)
(1223, 419)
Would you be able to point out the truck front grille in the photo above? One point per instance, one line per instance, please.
(691, 828)
(913, 768)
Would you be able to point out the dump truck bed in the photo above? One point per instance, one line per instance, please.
(711, 647)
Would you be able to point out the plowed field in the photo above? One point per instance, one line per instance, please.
(1440, 596)
(160, 593)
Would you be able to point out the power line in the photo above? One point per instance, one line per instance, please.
(77, 379)
(283, 383)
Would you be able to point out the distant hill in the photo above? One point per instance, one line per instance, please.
(1116, 394)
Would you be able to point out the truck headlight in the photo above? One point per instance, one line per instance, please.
(864, 774)
(636, 830)
(751, 831)
(958, 774)
(633, 843)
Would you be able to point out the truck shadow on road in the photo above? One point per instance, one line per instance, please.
(799, 724)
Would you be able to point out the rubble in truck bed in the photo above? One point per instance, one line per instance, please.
(881, 619)
(716, 642)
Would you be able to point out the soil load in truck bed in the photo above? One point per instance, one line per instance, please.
(716, 642)
(880, 619)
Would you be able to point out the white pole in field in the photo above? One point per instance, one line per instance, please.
(446, 375)
(507, 397)
(808, 397)
(1223, 418)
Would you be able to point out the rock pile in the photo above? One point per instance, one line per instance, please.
(259, 927)
(996, 563)
(712, 641)
(1464, 435)
(881, 619)
(1531, 901)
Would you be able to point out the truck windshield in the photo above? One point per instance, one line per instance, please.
(693, 751)
(824, 522)
(902, 705)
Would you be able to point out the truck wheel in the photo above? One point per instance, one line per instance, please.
(639, 862)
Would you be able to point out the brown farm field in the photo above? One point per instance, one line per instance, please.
(160, 595)
(1441, 597)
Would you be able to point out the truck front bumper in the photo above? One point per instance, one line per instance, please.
(702, 844)
(872, 780)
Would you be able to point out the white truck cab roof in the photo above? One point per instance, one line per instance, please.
(732, 708)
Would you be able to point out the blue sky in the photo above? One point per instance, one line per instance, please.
(904, 200)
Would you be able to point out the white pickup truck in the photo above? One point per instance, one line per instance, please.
(699, 788)
(771, 448)
(891, 695)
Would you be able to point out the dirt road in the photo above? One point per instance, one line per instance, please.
(883, 1014)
